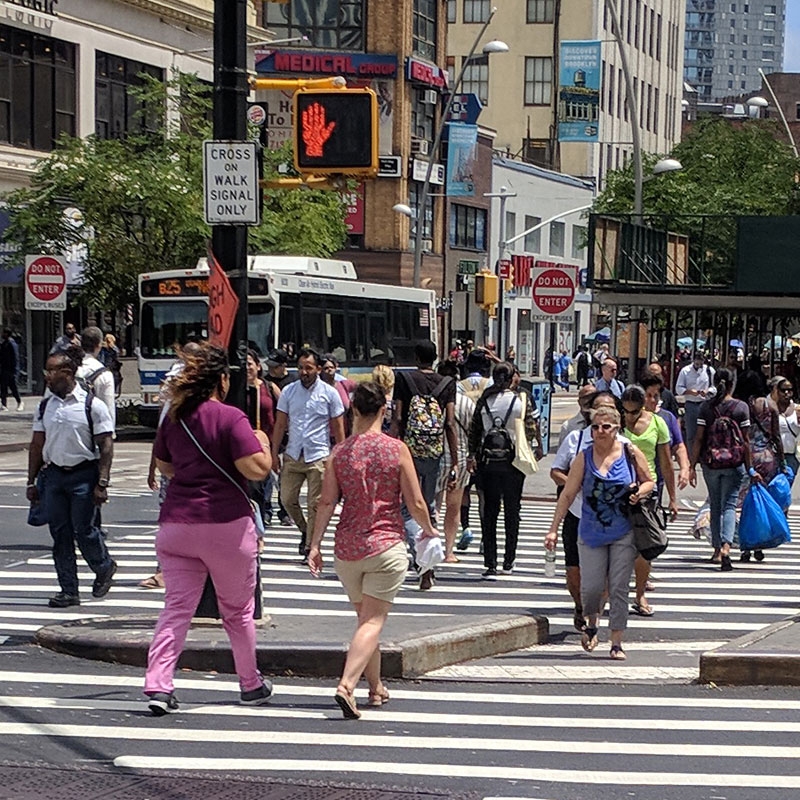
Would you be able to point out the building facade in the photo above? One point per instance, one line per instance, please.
(540, 195)
(397, 47)
(727, 43)
(526, 78)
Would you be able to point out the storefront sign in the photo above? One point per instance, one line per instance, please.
(468, 267)
(45, 6)
(428, 74)
(364, 65)
(579, 92)
(466, 108)
(45, 283)
(354, 206)
(462, 151)
(419, 169)
(230, 183)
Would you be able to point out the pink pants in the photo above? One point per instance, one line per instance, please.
(188, 553)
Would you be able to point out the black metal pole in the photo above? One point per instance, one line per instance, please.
(229, 242)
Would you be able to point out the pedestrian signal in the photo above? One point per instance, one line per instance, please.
(486, 291)
(336, 132)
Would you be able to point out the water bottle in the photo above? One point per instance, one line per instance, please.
(549, 563)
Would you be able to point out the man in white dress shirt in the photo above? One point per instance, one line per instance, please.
(695, 384)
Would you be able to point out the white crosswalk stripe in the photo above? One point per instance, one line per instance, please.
(692, 598)
(504, 743)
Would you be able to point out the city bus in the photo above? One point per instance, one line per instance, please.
(293, 302)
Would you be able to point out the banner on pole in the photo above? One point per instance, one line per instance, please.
(462, 150)
(579, 91)
(222, 304)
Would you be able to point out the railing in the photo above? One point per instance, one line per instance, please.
(666, 252)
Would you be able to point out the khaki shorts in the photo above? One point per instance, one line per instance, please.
(379, 576)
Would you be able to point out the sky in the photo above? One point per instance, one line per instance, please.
(791, 57)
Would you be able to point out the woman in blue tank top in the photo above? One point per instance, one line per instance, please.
(611, 482)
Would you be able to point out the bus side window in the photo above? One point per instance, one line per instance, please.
(357, 335)
(313, 329)
(335, 328)
(287, 327)
(377, 324)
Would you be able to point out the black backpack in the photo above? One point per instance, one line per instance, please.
(497, 446)
(87, 384)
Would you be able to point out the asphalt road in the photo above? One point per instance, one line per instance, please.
(549, 723)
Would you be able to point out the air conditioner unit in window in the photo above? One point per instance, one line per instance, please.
(420, 147)
(430, 97)
(427, 245)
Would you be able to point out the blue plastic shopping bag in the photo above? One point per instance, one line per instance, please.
(780, 488)
(763, 523)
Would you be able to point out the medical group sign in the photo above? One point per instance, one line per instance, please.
(45, 283)
(579, 91)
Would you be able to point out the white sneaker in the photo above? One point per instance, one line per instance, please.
(3, 408)
(20, 406)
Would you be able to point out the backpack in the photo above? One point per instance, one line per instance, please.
(497, 446)
(724, 442)
(474, 392)
(88, 381)
(87, 384)
(425, 424)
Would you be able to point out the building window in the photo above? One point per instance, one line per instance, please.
(414, 195)
(557, 229)
(733, 7)
(476, 78)
(451, 11)
(744, 38)
(423, 115)
(732, 39)
(580, 236)
(768, 40)
(533, 241)
(116, 111)
(537, 151)
(467, 227)
(769, 24)
(476, 10)
(542, 11)
(511, 228)
(768, 55)
(425, 28)
(538, 80)
(658, 38)
(655, 110)
(744, 53)
(331, 24)
(37, 89)
(611, 95)
(772, 10)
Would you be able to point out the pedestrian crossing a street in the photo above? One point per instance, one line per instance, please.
(693, 601)
(517, 741)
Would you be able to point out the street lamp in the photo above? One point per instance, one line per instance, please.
(494, 46)
(405, 210)
(666, 165)
(758, 101)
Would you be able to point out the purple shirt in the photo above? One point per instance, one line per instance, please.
(675, 437)
(199, 492)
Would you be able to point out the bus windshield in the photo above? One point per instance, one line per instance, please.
(260, 317)
(165, 322)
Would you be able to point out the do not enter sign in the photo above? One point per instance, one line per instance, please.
(45, 283)
(553, 293)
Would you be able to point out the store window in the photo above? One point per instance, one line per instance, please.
(37, 89)
(467, 227)
(331, 24)
(538, 80)
(424, 38)
(117, 112)
(540, 11)
(476, 78)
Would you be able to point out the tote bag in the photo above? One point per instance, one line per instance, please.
(524, 460)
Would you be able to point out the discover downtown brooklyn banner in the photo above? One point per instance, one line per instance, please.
(579, 91)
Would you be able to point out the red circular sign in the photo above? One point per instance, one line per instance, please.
(46, 278)
(553, 291)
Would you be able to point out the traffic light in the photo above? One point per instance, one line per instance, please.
(487, 291)
(509, 281)
(336, 132)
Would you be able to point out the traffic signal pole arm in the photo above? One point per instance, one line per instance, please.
(298, 83)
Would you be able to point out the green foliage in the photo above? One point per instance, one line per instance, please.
(728, 168)
(141, 199)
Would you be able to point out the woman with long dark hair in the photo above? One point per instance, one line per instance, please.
(492, 442)
(722, 445)
(209, 451)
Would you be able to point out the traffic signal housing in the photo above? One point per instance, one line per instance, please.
(336, 132)
(487, 291)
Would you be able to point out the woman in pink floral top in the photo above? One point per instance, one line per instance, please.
(373, 474)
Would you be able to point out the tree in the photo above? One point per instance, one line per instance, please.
(141, 199)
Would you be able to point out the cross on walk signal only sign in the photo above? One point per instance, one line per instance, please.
(230, 183)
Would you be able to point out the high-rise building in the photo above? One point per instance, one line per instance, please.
(728, 42)
(520, 89)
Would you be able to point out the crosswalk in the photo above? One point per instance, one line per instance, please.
(518, 741)
(695, 603)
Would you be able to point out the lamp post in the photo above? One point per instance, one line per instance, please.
(494, 46)
(760, 102)
(504, 194)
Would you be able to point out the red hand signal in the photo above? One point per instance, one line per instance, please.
(315, 131)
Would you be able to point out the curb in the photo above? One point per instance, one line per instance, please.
(138, 433)
(751, 660)
(126, 640)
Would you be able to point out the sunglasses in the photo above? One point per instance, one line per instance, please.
(603, 426)
(631, 412)
(786, 389)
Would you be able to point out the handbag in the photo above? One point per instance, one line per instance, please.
(649, 522)
(37, 514)
(257, 518)
(524, 460)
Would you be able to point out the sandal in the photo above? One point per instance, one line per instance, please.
(617, 653)
(452, 559)
(642, 610)
(589, 639)
(377, 699)
(347, 702)
(579, 621)
(153, 582)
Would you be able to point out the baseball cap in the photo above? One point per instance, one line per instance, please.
(276, 358)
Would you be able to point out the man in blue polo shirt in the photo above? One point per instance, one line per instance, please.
(312, 412)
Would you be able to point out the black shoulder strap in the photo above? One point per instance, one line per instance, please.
(510, 409)
(631, 465)
(88, 406)
(439, 390)
(42, 407)
(93, 376)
